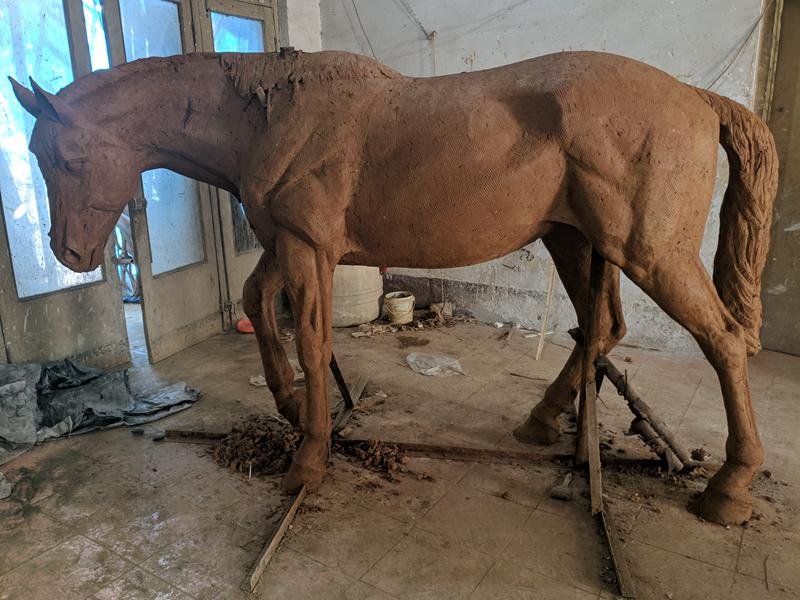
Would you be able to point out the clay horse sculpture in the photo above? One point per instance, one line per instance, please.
(339, 159)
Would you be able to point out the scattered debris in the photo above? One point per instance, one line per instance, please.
(6, 487)
(528, 377)
(261, 446)
(434, 365)
(563, 491)
(299, 375)
(382, 457)
(287, 335)
(442, 311)
(701, 454)
(258, 381)
(499, 325)
(424, 319)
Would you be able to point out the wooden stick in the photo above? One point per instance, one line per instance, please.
(463, 452)
(551, 284)
(192, 437)
(624, 579)
(250, 582)
(593, 448)
(640, 408)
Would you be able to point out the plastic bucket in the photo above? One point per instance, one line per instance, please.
(399, 307)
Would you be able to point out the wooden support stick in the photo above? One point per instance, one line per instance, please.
(462, 452)
(192, 437)
(640, 408)
(250, 582)
(621, 569)
(593, 449)
(551, 284)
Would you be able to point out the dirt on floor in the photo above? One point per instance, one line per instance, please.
(262, 445)
(383, 458)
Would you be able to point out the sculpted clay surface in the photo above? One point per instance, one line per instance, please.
(338, 158)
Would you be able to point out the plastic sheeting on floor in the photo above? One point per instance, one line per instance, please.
(39, 402)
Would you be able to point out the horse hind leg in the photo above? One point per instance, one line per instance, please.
(571, 254)
(680, 285)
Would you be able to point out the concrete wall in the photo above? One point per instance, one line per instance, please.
(301, 24)
(692, 40)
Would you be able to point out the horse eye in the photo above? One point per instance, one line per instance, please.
(75, 165)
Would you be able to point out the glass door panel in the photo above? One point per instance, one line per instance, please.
(235, 26)
(33, 43)
(175, 241)
(43, 305)
(152, 28)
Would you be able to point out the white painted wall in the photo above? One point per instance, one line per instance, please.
(303, 25)
(693, 40)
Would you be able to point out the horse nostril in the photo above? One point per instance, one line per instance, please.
(71, 256)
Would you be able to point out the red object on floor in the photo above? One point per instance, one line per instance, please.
(244, 326)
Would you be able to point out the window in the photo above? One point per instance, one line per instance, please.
(33, 42)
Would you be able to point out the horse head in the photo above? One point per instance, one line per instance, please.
(90, 176)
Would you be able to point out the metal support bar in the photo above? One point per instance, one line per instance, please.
(341, 384)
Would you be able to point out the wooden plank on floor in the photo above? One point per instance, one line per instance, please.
(593, 449)
(620, 564)
(251, 581)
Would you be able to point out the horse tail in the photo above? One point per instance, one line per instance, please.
(746, 214)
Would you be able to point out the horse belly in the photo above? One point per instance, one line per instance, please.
(441, 217)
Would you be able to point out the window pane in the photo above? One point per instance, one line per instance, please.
(33, 42)
(152, 28)
(238, 34)
(96, 34)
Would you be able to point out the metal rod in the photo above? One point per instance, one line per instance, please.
(341, 384)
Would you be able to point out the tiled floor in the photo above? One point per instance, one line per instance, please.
(113, 516)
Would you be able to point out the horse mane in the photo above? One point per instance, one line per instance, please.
(254, 73)
(106, 79)
(248, 72)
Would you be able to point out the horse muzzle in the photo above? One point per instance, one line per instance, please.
(78, 260)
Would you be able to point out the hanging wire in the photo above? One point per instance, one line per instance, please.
(410, 10)
(742, 45)
(360, 24)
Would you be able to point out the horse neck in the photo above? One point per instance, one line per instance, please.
(187, 117)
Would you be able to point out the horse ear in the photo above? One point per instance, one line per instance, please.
(25, 97)
(51, 106)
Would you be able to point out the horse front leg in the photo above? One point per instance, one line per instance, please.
(258, 302)
(308, 277)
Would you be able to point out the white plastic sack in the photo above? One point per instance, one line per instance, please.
(435, 365)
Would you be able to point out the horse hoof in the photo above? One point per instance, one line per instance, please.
(535, 431)
(726, 509)
(308, 467)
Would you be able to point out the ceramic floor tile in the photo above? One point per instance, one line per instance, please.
(473, 518)
(137, 584)
(292, 576)
(566, 549)
(346, 537)
(510, 581)
(659, 574)
(207, 560)
(27, 533)
(425, 565)
(76, 569)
